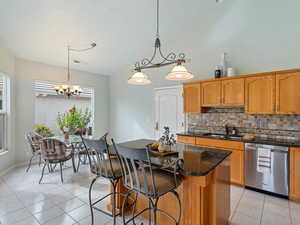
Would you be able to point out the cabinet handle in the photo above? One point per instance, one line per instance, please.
(156, 126)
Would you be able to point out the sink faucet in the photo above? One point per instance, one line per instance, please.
(230, 132)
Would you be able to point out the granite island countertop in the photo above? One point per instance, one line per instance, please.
(257, 140)
(197, 161)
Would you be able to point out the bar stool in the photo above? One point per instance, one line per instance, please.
(102, 164)
(141, 177)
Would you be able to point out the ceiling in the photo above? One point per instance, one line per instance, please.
(123, 30)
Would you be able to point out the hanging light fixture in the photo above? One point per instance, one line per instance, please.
(66, 89)
(179, 72)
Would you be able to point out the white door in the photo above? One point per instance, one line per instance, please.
(168, 110)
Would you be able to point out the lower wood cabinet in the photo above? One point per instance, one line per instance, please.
(294, 174)
(236, 159)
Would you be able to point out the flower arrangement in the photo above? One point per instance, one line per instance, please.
(166, 141)
(74, 119)
(43, 130)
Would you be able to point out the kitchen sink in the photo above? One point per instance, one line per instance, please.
(223, 136)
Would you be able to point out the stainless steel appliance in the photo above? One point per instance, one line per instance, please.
(267, 168)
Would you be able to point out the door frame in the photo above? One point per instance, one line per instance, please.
(180, 87)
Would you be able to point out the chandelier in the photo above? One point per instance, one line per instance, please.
(66, 89)
(179, 72)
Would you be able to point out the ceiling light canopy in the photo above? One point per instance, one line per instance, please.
(179, 72)
(67, 89)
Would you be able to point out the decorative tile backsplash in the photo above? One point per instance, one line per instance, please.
(270, 126)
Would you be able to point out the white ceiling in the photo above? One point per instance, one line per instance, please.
(124, 30)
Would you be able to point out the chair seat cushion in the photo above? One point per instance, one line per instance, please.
(104, 169)
(164, 182)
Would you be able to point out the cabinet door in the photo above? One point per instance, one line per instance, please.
(211, 93)
(260, 95)
(288, 93)
(294, 174)
(233, 92)
(237, 167)
(191, 94)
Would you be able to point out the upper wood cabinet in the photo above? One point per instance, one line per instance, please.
(191, 98)
(260, 94)
(288, 93)
(233, 92)
(211, 93)
(229, 92)
(294, 174)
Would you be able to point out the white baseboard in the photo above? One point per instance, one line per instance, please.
(17, 165)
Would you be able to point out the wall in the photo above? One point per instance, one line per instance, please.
(27, 72)
(257, 35)
(48, 115)
(7, 67)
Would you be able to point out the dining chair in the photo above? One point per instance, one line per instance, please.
(106, 165)
(55, 152)
(141, 177)
(33, 141)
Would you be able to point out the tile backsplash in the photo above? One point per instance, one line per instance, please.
(270, 126)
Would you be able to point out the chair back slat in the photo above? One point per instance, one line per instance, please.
(53, 149)
(100, 157)
(137, 169)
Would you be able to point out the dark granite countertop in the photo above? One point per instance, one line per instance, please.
(258, 140)
(197, 161)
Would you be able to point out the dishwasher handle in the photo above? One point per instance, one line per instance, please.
(279, 151)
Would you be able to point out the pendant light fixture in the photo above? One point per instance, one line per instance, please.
(179, 72)
(67, 89)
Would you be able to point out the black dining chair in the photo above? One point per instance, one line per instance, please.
(103, 164)
(141, 177)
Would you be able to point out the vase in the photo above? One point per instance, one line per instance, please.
(164, 148)
(66, 136)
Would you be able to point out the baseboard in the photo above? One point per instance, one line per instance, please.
(17, 165)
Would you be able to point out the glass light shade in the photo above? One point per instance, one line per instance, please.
(139, 78)
(179, 72)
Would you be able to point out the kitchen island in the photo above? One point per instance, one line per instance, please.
(205, 190)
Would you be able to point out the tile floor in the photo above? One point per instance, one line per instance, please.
(25, 202)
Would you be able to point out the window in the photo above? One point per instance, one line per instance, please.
(4, 87)
(48, 104)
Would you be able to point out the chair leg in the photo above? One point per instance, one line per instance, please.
(123, 207)
(46, 163)
(114, 202)
(40, 159)
(61, 172)
(79, 160)
(90, 199)
(29, 165)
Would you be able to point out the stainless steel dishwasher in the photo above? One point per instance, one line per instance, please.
(267, 168)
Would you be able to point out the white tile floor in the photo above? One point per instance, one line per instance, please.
(25, 202)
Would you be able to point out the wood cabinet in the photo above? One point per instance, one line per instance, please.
(260, 94)
(211, 93)
(186, 140)
(223, 93)
(191, 98)
(237, 156)
(288, 93)
(294, 174)
(233, 92)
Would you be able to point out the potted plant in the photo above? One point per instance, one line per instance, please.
(43, 130)
(73, 120)
(166, 141)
